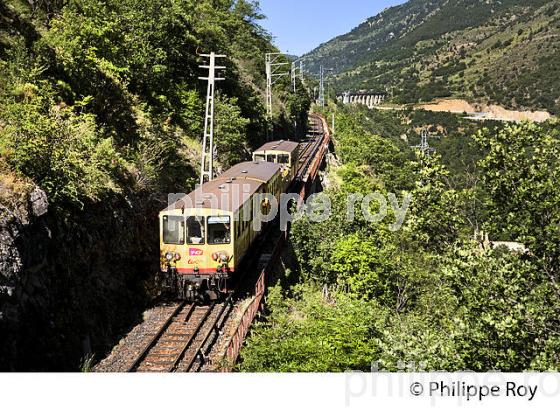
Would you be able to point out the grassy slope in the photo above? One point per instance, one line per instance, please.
(423, 50)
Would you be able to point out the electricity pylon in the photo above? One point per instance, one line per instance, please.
(424, 146)
(322, 87)
(272, 75)
(207, 160)
(322, 98)
(294, 72)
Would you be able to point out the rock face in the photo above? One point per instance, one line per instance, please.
(24, 238)
(71, 283)
(484, 111)
(17, 226)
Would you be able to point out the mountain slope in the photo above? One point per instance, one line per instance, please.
(502, 51)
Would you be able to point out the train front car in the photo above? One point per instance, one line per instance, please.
(205, 235)
(199, 238)
(284, 153)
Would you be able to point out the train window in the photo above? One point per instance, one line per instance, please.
(259, 157)
(283, 159)
(195, 230)
(219, 228)
(174, 230)
(271, 158)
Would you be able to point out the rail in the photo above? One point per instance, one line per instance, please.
(205, 347)
(319, 153)
(157, 336)
(191, 339)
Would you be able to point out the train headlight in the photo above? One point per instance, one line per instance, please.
(169, 256)
(224, 257)
(177, 256)
(215, 256)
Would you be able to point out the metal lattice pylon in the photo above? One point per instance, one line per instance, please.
(208, 151)
(322, 87)
(295, 68)
(294, 73)
(272, 74)
(424, 146)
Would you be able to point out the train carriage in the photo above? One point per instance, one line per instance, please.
(272, 174)
(205, 235)
(285, 153)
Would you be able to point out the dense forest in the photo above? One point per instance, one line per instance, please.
(108, 91)
(101, 117)
(431, 295)
(422, 50)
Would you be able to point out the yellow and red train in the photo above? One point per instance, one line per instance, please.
(206, 235)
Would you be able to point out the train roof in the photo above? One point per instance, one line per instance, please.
(260, 170)
(287, 146)
(219, 194)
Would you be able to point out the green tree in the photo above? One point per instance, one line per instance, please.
(311, 333)
(435, 213)
(506, 309)
(427, 293)
(60, 150)
(230, 132)
(362, 266)
(520, 174)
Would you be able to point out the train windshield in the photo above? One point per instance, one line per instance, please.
(271, 158)
(174, 230)
(283, 159)
(195, 230)
(219, 228)
(260, 157)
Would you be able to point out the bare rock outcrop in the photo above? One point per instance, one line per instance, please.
(71, 281)
(24, 237)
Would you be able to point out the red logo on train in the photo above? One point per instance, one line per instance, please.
(195, 252)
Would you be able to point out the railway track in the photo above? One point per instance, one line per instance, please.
(183, 341)
(310, 146)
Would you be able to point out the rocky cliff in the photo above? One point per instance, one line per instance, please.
(70, 285)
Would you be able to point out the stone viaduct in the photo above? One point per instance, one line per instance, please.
(367, 98)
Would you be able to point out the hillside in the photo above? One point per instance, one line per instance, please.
(499, 51)
(430, 294)
(101, 117)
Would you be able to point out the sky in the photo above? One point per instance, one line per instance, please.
(298, 26)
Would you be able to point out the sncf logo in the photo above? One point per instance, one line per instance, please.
(195, 252)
